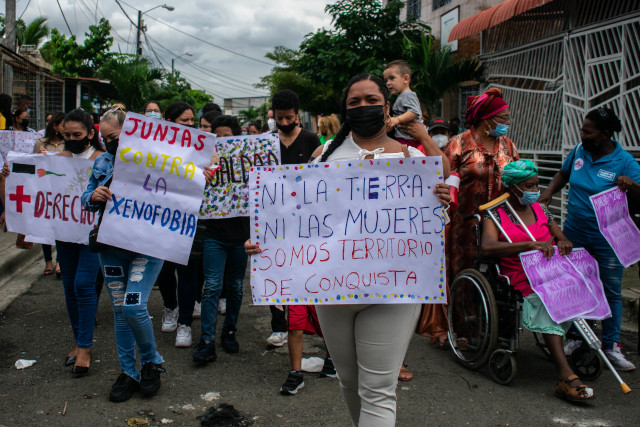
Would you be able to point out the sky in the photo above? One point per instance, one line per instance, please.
(247, 27)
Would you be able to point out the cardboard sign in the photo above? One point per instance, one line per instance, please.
(157, 188)
(44, 198)
(348, 232)
(227, 195)
(616, 225)
(20, 142)
(588, 267)
(561, 287)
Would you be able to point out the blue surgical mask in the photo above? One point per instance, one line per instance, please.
(500, 130)
(154, 115)
(528, 197)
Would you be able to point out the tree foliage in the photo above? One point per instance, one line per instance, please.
(134, 79)
(28, 34)
(69, 58)
(366, 35)
(435, 71)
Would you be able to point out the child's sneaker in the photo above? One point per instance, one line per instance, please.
(328, 370)
(278, 339)
(294, 382)
(617, 359)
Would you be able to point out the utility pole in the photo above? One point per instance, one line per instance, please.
(173, 68)
(139, 35)
(10, 25)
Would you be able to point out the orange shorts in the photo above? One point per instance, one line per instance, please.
(303, 317)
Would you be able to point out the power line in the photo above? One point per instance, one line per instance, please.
(65, 18)
(204, 41)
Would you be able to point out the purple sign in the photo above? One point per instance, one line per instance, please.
(616, 225)
(585, 264)
(562, 289)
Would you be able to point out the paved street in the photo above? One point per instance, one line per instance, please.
(35, 326)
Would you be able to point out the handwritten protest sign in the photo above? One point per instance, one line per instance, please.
(588, 267)
(616, 224)
(20, 142)
(360, 231)
(561, 287)
(43, 196)
(157, 188)
(227, 195)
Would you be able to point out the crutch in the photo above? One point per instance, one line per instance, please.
(583, 327)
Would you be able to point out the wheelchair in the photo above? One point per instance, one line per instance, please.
(485, 315)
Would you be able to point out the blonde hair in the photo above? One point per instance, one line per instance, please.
(117, 113)
(329, 126)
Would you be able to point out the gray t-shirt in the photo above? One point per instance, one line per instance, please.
(406, 101)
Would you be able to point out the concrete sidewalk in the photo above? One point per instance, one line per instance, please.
(16, 268)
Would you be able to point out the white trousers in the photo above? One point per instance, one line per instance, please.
(367, 344)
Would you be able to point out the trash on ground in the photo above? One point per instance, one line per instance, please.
(166, 421)
(312, 364)
(135, 422)
(24, 363)
(223, 415)
(210, 396)
(188, 407)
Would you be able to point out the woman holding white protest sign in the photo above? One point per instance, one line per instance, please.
(79, 266)
(368, 341)
(597, 164)
(521, 178)
(129, 278)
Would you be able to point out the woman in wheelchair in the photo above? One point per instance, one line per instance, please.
(521, 179)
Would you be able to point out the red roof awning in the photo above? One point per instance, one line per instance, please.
(491, 17)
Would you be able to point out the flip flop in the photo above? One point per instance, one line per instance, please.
(48, 272)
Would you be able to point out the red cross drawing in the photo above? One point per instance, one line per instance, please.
(19, 197)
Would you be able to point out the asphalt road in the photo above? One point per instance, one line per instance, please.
(35, 326)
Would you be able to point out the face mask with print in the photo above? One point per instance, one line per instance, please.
(440, 140)
(528, 197)
(500, 130)
(272, 125)
(154, 115)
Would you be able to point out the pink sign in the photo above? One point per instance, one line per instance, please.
(561, 287)
(585, 264)
(616, 225)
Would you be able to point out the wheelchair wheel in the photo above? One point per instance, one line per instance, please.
(473, 319)
(502, 366)
(586, 363)
(542, 345)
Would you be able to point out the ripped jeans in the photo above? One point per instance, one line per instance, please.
(129, 278)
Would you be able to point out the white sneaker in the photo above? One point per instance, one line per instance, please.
(571, 345)
(278, 339)
(183, 338)
(222, 306)
(197, 310)
(170, 320)
(617, 359)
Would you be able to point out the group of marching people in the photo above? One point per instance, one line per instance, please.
(366, 343)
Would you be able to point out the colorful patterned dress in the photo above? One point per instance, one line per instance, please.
(480, 173)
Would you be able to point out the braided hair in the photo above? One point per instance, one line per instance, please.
(605, 119)
(345, 128)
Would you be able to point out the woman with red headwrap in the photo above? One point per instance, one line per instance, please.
(478, 156)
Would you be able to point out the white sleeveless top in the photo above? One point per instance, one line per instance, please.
(349, 150)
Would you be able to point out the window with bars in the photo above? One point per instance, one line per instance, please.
(437, 4)
(414, 7)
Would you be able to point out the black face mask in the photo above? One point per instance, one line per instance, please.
(25, 123)
(112, 146)
(365, 121)
(287, 128)
(76, 146)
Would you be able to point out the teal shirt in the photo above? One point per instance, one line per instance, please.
(587, 178)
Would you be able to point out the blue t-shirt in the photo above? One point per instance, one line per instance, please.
(587, 178)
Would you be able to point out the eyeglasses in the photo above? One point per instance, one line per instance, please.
(503, 118)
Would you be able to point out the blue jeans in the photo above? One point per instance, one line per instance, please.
(79, 268)
(129, 278)
(214, 258)
(611, 275)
